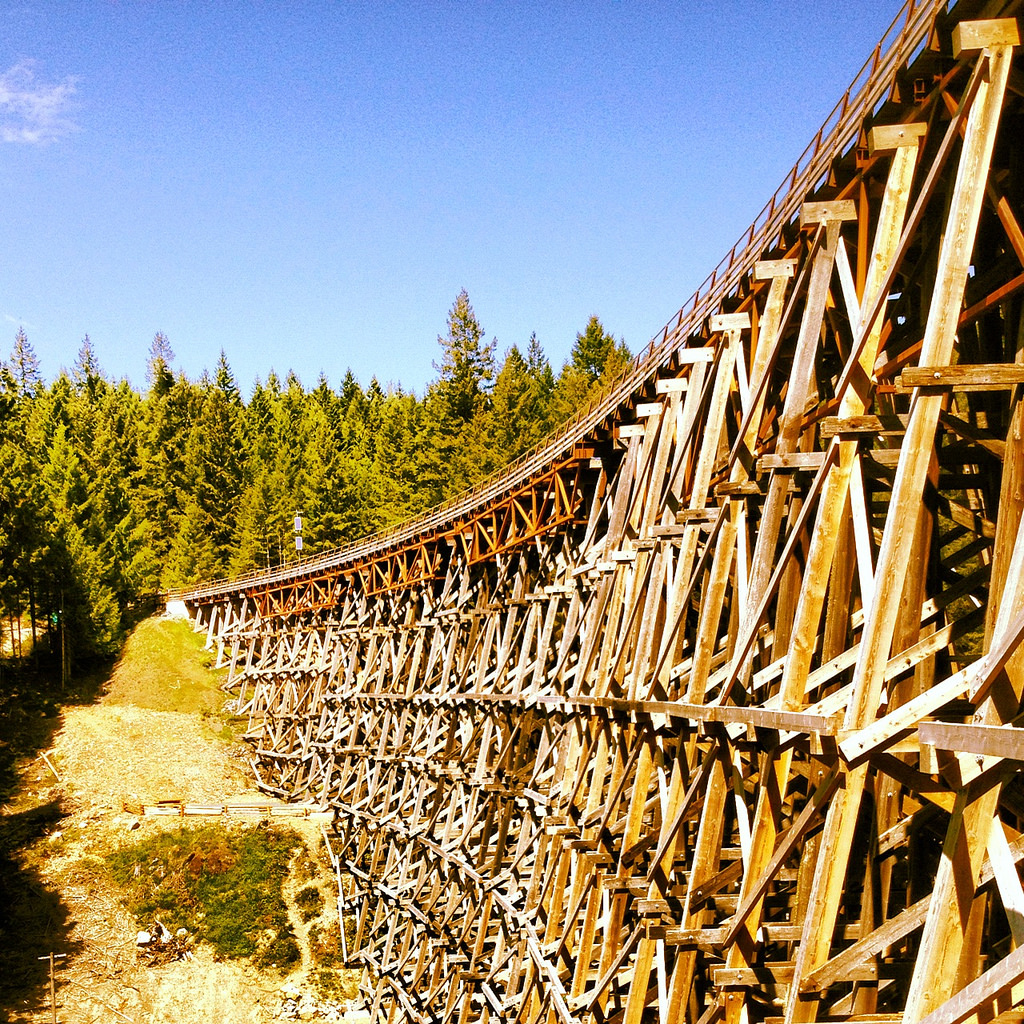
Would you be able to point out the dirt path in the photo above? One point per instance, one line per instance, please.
(116, 754)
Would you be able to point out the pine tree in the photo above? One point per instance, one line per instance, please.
(596, 359)
(467, 362)
(391, 491)
(224, 381)
(23, 366)
(540, 370)
(453, 450)
(262, 521)
(119, 528)
(516, 421)
(76, 567)
(350, 390)
(618, 360)
(23, 543)
(325, 498)
(192, 555)
(291, 430)
(324, 396)
(159, 374)
(214, 463)
(592, 349)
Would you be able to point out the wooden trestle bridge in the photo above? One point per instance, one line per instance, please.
(707, 710)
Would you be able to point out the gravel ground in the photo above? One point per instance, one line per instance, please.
(104, 757)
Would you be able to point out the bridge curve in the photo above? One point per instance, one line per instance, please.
(706, 708)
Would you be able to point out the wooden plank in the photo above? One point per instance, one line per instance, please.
(984, 377)
(829, 212)
(980, 993)
(979, 35)
(645, 409)
(792, 461)
(728, 322)
(705, 354)
(986, 740)
(890, 137)
(627, 430)
(856, 426)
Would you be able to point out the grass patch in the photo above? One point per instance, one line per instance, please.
(329, 975)
(223, 887)
(164, 667)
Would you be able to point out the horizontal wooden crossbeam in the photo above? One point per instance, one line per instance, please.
(709, 709)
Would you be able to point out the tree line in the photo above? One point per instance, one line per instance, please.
(109, 492)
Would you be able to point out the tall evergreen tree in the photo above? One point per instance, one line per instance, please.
(159, 375)
(595, 360)
(591, 350)
(263, 519)
(467, 362)
(350, 390)
(86, 599)
(519, 410)
(23, 540)
(324, 396)
(120, 529)
(214, 457)
(390, 489)
(24, 366)
(86, 374)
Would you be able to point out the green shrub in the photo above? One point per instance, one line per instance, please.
(329, 975)
(310, 902)
(325, 946)
(281, 951)
(223, 887)
(336, 984)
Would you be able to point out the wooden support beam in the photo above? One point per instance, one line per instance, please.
(938, 379)
(595, 735)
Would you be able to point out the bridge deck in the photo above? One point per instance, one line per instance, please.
(709, 708)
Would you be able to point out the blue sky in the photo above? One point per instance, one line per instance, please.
(309, 185)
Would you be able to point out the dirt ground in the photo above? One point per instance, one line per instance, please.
(113, 755)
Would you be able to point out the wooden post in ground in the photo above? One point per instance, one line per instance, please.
(53, 985)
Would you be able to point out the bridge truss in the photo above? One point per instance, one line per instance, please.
(707, 710)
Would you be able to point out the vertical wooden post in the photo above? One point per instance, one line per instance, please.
(916, 453)
(53, 984)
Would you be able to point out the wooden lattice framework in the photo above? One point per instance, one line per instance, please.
(707, 710)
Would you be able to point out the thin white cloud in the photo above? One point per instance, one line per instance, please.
(31, 111)
(19, 321)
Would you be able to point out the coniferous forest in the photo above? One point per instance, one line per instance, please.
(109, 493)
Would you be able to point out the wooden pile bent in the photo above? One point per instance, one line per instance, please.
(710, 709)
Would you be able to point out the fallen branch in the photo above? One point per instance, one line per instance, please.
(49, 765)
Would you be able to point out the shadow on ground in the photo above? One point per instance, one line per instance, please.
(33, 920)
